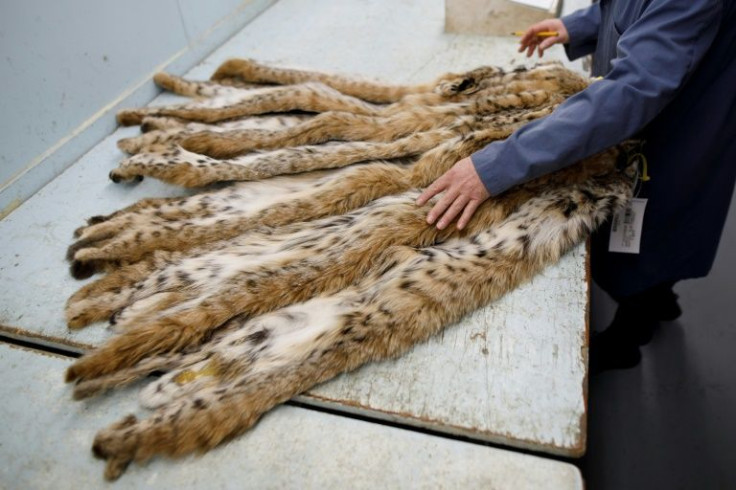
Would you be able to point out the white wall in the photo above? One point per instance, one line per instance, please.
(65, 64)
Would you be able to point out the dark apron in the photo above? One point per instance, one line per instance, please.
(691, 153)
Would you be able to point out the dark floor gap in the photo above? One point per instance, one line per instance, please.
(29, 344)
(430, 432)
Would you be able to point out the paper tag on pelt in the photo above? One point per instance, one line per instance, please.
(626, 228)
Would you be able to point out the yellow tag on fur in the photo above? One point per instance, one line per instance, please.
(189, 375)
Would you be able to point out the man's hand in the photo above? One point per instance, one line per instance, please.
(530, 41)
(463, 192)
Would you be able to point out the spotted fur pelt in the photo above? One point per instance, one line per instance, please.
(251, 293)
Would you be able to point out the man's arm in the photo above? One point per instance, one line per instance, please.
(655, 58)
(582, 28)
(577, 31)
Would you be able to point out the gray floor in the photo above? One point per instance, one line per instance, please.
(669, 423)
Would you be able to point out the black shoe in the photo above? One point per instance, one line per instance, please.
(666, 307)
(658, 303)
(638, 316)
(632, 326)
(610, 350)
(617, 347)
(636, 320)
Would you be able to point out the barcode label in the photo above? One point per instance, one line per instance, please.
(626, 228)
(629, 216)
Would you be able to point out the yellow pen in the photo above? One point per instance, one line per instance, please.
(539, 34)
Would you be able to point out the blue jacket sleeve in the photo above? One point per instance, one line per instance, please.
(582, 27)
(655, 56)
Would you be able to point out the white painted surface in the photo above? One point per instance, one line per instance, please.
(60, 62)
(513, 372)
(548, 5)
(64, 66)
(45, 441)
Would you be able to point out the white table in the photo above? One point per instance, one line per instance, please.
(513, 373)
(45, 440)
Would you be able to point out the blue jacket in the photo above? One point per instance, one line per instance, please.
(670, 77)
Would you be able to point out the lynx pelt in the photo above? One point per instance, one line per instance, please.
(249, 294)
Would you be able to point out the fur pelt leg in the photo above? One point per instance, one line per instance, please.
(181, 167)
(250, 71)
(344, 126)
(444, 87)
(166, 130)
(309, 97)
(152, 223)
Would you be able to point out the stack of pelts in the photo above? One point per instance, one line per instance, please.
(249, 293)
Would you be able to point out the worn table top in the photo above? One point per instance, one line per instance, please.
(513, 372)
(45, 441)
